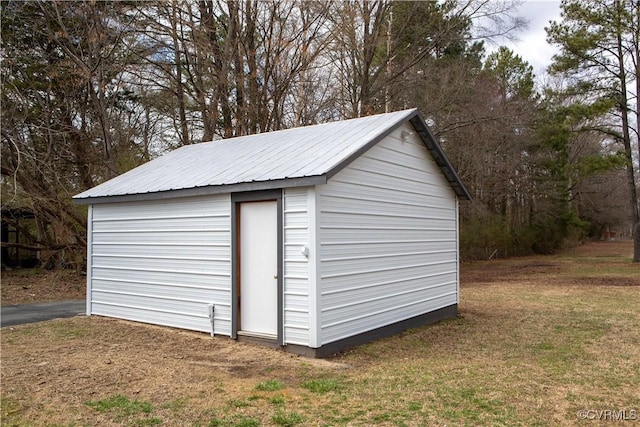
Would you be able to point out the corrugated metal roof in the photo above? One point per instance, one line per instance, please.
(291, 157)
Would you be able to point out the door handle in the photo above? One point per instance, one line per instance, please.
(275, 276)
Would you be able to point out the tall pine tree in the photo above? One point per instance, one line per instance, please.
(599, 54)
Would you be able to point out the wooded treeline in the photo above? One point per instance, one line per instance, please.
(92, 89)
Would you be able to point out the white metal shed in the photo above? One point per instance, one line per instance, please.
(315, 238)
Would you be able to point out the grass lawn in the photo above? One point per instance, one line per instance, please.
(540, 341)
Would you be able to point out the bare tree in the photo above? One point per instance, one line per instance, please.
(67, 117)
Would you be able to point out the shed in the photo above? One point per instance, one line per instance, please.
(315, 238)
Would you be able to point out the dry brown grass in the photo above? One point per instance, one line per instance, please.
(50, 370)
(537, 340)
(31, 285)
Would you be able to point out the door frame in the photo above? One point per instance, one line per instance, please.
(236, 200)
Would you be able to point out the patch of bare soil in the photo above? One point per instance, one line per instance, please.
(616, 248)
(530, 267)
(26, 286)
(150, 363)
(484, 272)
(607, 281)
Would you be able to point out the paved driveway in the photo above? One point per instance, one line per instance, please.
(11, 315)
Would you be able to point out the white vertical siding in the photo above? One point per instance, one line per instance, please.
(163, 261)
(314, 269)
(388, 233)
(458, 252)
(89, 256)
(296, 267)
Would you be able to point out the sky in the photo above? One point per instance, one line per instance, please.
(532, 45)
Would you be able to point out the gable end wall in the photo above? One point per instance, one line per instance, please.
(388, 239)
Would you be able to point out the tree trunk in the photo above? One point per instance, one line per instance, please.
(253, 103)
(626, 139)
(184, 130)
(636, 62)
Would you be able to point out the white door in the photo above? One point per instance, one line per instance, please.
(258, 268)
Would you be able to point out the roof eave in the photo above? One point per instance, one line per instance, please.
(206, 190)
